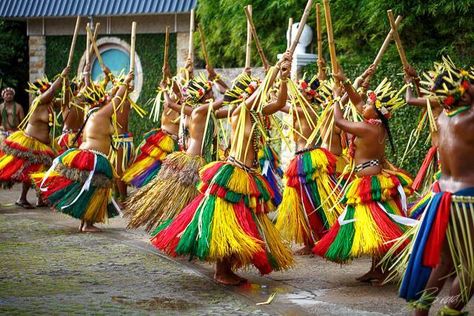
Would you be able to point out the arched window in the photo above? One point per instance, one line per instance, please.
(116, 55)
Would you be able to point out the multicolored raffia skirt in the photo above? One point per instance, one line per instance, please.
(124, 143)
(20, 156)
(271, 171)
(155, 147)
(428, 169)
(166, 195)
(375, 215)
(79, 183)
(228, 220)
(448, 219)
(67, 140)
(311, 197)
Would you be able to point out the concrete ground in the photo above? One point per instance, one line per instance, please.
(47, 267)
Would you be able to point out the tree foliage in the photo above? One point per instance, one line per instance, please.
(429, 29)
(14, 57)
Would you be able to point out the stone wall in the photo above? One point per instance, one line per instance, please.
(37, 54)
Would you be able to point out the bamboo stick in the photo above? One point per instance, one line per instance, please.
(301, 25)
(94, 37)
(319, 38)
(96, 50)
(386, 42)
(248, 46)
(167, 47)
(257, 40)
(132, 46)
(396, 37)
(88, 45)
(332, 46)
(203, 45)
(73, 44)
(290, 27)
(191, 31)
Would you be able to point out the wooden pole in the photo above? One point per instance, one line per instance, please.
(191, 31)
(257, 40)
(132, 46)
(249, 38)
(396, 38)
(203, 45)
(290, 27)
(332, 46)
(386, 42)
(94, 37)
(167, 45)
(301, 25)
(73, 44)
(319, 37)
(88, 45)
(96, 50)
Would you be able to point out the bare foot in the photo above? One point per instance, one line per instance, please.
(89, 228)
(368, 276)
(24, 204)
(228, 278)
(306, 250)
(41, 203)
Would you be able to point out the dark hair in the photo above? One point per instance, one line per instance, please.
(386, 126)
(440, 80)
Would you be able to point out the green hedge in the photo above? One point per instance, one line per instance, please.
(149, 48)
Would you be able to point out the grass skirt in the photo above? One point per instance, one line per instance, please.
(21, 156)
(125, 143)
(449, 217)
(428, 169)
(374, 217)
(66, 141)
(79, 183)
(310, 203)
(166, 195)
(271, 171)
(228, 220)
(154, 148)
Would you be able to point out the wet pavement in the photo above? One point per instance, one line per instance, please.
(47, 267)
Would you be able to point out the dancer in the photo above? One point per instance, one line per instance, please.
(433, 109)
(175, 185)
(28, 150)
(376, 199)
(80, 181)
(443, 243)
(227, 222)
(310, 203)
(157, 144)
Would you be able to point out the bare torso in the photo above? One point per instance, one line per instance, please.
(197, 127)
(437, 110)
(332, 140)
(370, 147)
(73, 118)
(304, 127)
(456, 149)
(13, 112)
(123, 117)
(38, 124)
(170, 121)
(248, 154)
(97, 133)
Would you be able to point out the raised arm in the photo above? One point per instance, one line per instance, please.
(110, 107)
(355, 128)
(212, 75)
(280, 102)
(351, 92)
(48, 96)
(169, 103)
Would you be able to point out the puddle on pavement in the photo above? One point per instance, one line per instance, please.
(155, 303)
